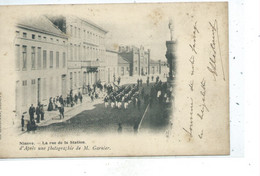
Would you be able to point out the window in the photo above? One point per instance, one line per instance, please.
(79, 78)
(33, 58)
(24, 82)
(33, 81)
(84, 34)
(71, 81)
(44, 59)
(57, 59)
(135, 69)
(51, 39)
(44, 38)
(39, 58)
(33, 36)
(24, 35)
(75, 32)
(17, 33)
(64, 42)
(57, 40)
(51, 59)
(79, 54)
(17, 58)
(75, 79)
(79, 32)
(24, 57)
(84, 53)
(39, 37)
(75, 52)
(64, 59)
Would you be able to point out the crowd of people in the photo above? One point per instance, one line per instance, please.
(116, 96)
(31, 124)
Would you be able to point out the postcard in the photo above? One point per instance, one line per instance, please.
(147, 79)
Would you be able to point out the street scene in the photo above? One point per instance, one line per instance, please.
(69, 80)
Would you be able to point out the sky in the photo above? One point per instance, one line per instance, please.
(134, 26)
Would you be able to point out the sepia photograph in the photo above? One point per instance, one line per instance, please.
(114, 80)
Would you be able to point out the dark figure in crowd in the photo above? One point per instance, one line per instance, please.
(50, 106)
(152, 78)
(38, 114)
(76, 98)
(22, 122)
(147, 81)
(42, 112)
(118, 80)
(138, 82)
(33, 126)
(68, 100)
(61, 111)
(119, 130)
(80, 97)
(141, 82)
(54, 104)
(135, 127)
(157, 79)
(92, 97)
(96, 95)
(31, 112)
(61, 100)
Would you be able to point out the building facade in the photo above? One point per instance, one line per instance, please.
(41, 62)
(123, 67)
(86, 51)
(139, 59)
(111, 69)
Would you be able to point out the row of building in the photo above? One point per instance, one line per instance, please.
(57, 54)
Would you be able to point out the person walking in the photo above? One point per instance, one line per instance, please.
(147, 81)
(80, 97)
(22, 122)
(118, 80)
(62, 111)
(38, 114)
(42, 112)
(31, 112)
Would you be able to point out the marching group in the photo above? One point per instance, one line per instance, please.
(121, 96)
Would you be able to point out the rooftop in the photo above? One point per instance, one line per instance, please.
(41, 24)
(122, 60)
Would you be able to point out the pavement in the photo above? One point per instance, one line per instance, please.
(52, 117)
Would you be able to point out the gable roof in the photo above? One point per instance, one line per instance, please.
(122, 60)
(41, 24)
